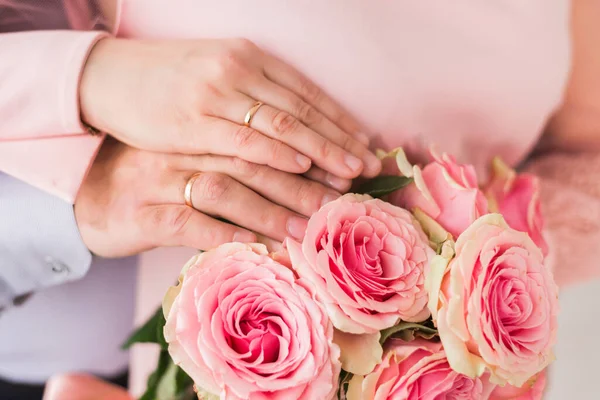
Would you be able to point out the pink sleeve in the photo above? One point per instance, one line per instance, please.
(571, 206)
(42, 139)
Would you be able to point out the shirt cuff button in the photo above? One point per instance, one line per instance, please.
(56, 265)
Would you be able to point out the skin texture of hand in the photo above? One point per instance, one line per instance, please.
(82, 387)
(191, 97)
(133, 200)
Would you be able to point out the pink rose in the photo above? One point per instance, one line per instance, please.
(366, 260)
(532, 390)
(416, 370)
(446, 191)
(517, 198)
(496, 304)
(242, 327)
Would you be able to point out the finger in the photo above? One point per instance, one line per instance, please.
(230, 139)
(219, 195)
(326, 178)
(285, 100)
(237, 108)
(287, 76)
(180, 225)
(291, 191)
(324, 153)
(272, 244)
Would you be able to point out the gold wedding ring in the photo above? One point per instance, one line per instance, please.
(187, 193)
(251, 112)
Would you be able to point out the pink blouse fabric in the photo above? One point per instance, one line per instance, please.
(42, 139)
(475, 78)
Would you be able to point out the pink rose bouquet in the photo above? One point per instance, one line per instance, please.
(424, 283)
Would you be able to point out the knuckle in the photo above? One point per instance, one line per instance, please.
(308, 114)
(244, 137)
(173, 221)
(179, 220)
(309, 90)
(203, 99)
(308, 195)
(340, 118)
(230, 64)
(268, 220)
(347, 142)
(213, 186)
(325, 149)
(284, 123)
(212, 237)
(242, 44)
(278, 150)
(245, 168)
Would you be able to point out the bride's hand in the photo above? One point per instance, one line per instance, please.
(133, 200)
(191, 96)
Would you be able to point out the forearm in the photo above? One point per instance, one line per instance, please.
(575, 127)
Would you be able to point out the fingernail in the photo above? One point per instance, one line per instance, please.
(328, 198)
(303, 161)
(274, 246)
(353, 163)
(372, 164)
(244, 237)
(337, 183)
(362, 137)
(296, 227)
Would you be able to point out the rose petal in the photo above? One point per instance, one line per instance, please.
(359, 353)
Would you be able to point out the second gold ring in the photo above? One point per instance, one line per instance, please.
(187, 193)
(251, 112)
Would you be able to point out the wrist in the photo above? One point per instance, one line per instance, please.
(94, 86)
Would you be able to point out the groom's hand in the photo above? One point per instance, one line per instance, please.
(133, 200)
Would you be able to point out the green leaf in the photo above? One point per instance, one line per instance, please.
(160, 330)
(150, 332)
(408, 331)
(182, 381)
(344, 381)
(168, 381)
(384, 184)
(190, 394)
(164, 360)
(167, 388)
